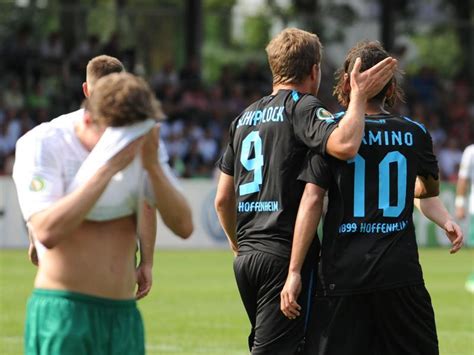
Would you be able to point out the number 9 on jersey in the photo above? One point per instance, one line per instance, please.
(255, 164)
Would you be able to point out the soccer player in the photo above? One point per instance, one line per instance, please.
(97, 68)
(258, 193)
(84, 299)
(371, 297)
(466, 175)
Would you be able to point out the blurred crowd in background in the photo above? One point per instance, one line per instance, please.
(38, 82)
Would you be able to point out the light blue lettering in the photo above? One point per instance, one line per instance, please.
(257, 117)
(279, 117)
(397, 138)
(375, 138)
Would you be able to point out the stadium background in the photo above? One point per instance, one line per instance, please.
(205, 60)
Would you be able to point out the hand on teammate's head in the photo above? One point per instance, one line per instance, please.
(370, 82)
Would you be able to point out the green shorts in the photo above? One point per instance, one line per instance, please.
(70, 323)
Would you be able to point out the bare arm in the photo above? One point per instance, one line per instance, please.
(434, 209)
(170, 203)
(147, 234)
(307, 221)
(58, 221)
(225, 207)
(344, 141)
(147, 237)
(426, 187)
(460, 203)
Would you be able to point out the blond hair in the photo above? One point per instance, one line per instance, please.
(122, 99)
(101, 66)
(292, 54)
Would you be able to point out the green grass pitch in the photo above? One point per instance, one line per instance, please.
(194, 306)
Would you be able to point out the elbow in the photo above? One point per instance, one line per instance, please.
(47, 238)
(347, 156)
(41, 229)
(180, 222)
(186, 228)
(182, 226)
(221, 203)
(346, 151)
(313, 203)
(350, 151)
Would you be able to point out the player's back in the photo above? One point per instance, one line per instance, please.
(370, 243)
(269, 142)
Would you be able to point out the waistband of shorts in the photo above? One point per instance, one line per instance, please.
(84, 298)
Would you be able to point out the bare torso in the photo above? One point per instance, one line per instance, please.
(97, 259)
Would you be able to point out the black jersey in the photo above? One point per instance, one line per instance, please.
(267, 148)
(368, 233)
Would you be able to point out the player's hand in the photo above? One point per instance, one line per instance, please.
(455, 235)
(125, 156)
(144, 280)
(292, 289)
(150, 148)
(460, 212)
(32, 254)
(371, 81)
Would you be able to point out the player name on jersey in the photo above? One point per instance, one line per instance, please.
(268, 114)
(386, 138)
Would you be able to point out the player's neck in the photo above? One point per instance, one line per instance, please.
(303, 88)
(83, 135)
(375, 108)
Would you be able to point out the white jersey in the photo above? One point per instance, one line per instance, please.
(47, 160)
(466, 171)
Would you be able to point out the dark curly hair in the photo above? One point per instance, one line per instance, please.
(370, 53)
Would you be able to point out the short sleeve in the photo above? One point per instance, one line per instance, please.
(312, 123)
(466, 162)
(316, 170)
(427, 162)
(37, 175)
(226, 161)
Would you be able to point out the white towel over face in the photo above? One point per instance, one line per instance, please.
(126, 188)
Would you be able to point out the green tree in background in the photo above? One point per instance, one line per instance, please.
(157, 28)
(439, 49)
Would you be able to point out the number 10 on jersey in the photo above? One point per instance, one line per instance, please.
(253, 165)
(384, 184)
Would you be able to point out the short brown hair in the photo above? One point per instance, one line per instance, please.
(102, 65)
(122, 99)
(370, 53)
(292, 54)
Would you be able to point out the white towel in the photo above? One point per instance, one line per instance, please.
(126, 188)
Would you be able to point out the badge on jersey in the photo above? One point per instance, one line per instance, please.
(324, 114)
(37, 184)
